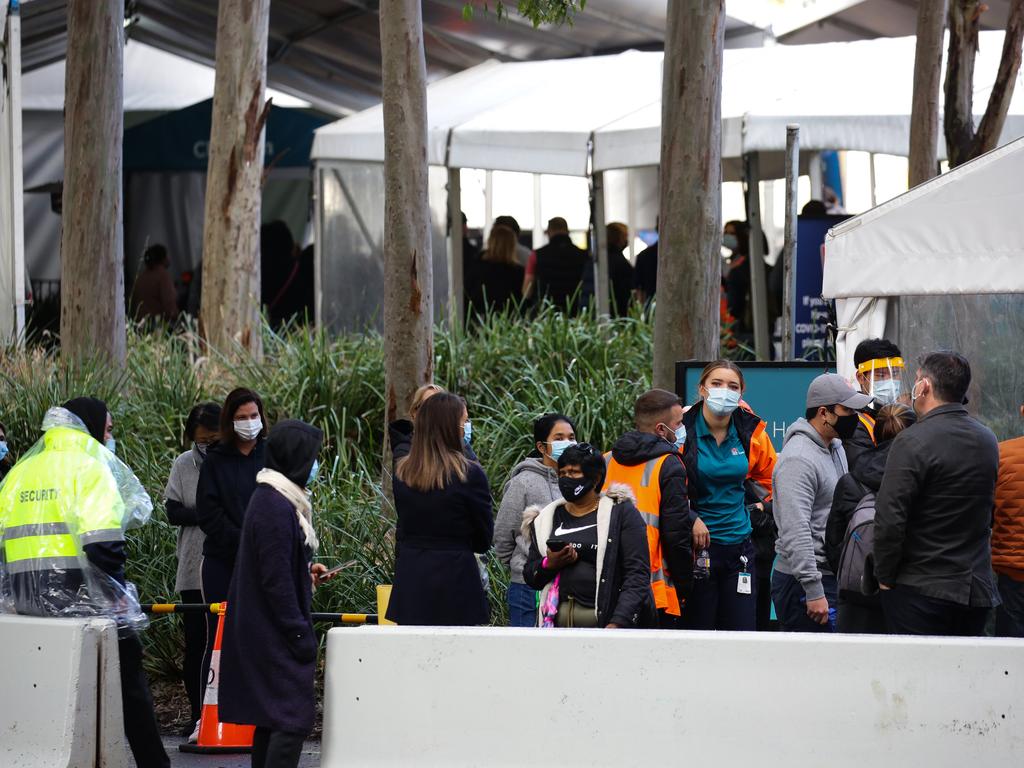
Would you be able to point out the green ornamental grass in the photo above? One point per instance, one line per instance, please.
(509, 370)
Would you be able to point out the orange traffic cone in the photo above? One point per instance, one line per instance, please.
(215, 736)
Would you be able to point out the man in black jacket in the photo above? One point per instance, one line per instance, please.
(560, 266)
(933, 517)
(649, 462)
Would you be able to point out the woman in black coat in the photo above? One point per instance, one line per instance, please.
(597, 569)
(858, 613)
(444, 508)
(226, 481)
(268, 659)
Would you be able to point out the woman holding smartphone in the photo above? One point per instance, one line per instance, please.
(596, 570)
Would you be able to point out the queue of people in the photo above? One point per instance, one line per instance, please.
(876, 516)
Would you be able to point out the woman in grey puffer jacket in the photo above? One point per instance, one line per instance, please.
(534, 482)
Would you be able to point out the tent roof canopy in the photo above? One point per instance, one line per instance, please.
(154, 80)
(946, 236)
(540, 117)
(327, 52)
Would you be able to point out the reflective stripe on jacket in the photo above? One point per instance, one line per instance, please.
(645, 482)
(869, 425)
(57, 501)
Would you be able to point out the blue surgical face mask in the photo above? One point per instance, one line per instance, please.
(886, 391)
(558, 448)
(111, 445)
(729, 241)
(4, 450)
(680, 436)
(467, 433)
(722, 401)
(313, 472)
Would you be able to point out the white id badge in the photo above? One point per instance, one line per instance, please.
(743, 585)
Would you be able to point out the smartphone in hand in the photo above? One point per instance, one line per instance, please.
(341, 567)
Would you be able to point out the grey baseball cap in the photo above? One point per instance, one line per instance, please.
(832, 389)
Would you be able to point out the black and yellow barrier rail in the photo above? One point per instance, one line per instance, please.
(215, 608)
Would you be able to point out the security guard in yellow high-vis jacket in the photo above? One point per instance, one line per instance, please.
(63, 550)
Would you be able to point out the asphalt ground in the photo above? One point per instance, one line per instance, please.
(310, 756)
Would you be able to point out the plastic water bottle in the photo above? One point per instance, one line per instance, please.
(702, 568)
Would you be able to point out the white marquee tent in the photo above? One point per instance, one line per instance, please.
(538, 117)
(582, 117)
(956, 236)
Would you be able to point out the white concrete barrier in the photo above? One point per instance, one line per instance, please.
(400, 696)
(61, 694)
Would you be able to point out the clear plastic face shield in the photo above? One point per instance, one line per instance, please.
(886, 379)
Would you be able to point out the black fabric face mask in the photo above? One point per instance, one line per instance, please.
(574, 488)
(845, 426)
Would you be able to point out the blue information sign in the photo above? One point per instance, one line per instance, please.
(777, 392)
(810, 311)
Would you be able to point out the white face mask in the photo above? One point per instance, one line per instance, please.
(248, 429)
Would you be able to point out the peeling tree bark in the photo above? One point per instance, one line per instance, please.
(963, 142)
(92, 321)
(924, 113)
(686, 321)
(231, 235)
(408, 272)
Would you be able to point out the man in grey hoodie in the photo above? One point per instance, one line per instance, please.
(804, 590)
(534, 482)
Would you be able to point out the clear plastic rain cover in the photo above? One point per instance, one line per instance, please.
(66, 493)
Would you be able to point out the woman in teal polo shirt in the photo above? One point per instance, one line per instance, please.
(729, 460)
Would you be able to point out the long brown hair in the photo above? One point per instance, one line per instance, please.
(436, 457)
(501, 246)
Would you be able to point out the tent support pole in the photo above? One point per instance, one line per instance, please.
(789, 246)
(758, 288)
(874, 192)
(538, 215)
(16, 235)
(488, 203)
(599, 245)
(318, 246)
(455, 256)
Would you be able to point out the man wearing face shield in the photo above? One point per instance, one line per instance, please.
(880, 370)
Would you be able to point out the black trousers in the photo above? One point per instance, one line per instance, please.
(276, 749)
(140, 724)
(908, 612)
(216, 577)
(195, 647)
(860, 619)
(714, 602)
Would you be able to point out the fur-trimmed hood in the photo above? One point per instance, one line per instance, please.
(617, 492)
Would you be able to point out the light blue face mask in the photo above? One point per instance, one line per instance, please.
(467, 433)
(730, 242)
(111, 445)
(722, 401)
(680, 436)
(4, 450)
(313, 472)
(886, 391)
(558, 448)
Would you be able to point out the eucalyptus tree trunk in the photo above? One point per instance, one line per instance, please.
(408, 270)
(963, 141)
(686, 321)
(924, 112)
(230, 308)
(92, 322)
